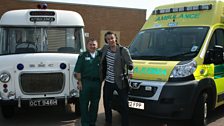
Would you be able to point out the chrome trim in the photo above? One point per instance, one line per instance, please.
(158, 84)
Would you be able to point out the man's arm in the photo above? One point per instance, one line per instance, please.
(127, 58)
(79, 82)
(77, 72)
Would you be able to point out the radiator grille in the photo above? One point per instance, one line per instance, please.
(42, 82)
(141, 92)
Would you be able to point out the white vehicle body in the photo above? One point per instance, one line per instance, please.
(38, 52)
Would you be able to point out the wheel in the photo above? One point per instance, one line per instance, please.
(7, 111)
(201, 111)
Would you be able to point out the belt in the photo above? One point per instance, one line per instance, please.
(91, 78)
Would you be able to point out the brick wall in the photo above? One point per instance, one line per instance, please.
(126, 21)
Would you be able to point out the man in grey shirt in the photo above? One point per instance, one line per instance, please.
(113, 62)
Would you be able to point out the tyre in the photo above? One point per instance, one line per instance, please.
(201, 111)
(8, 111)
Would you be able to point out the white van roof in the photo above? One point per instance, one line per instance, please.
(41, 17)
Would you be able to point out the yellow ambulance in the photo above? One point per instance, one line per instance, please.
(178, 62)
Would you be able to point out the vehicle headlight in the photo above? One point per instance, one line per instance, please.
(183, 69)
(4, 77)
(74, 92)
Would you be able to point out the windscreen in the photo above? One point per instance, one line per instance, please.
(38, 40)
(177, 44)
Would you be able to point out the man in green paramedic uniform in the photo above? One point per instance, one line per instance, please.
(87, 74)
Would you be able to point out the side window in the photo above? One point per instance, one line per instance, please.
(220, 37)
(215, 55)
(217, 39)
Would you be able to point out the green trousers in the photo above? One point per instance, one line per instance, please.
(89, 101)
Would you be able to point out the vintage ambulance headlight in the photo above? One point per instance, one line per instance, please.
(4, 77)
(73, 92)
(183, 69)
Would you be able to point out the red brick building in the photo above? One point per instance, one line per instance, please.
(126, 22)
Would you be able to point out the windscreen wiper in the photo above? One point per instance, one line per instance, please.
(149, 57)
(183, 54)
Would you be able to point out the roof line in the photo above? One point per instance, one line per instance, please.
(83, 4)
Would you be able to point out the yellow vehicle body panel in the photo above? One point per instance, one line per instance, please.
(154, 84)
(153, 70)
(187, 18)
(212, 18)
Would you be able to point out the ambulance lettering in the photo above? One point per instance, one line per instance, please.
(180, 16)
(152, 71)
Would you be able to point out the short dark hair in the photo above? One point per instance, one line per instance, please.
(91, 40)
(109, 33)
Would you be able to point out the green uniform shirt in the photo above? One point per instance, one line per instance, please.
(87, 65)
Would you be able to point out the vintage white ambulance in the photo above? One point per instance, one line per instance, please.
(38, 52)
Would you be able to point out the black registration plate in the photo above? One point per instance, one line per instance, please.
(43, 102)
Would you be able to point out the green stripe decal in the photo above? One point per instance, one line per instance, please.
(152, 71)
(219, 71)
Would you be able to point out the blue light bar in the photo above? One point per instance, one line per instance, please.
(183, 9)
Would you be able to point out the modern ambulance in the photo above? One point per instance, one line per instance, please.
(178, 62)
(38, 52)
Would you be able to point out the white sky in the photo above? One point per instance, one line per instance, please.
(142, 4)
